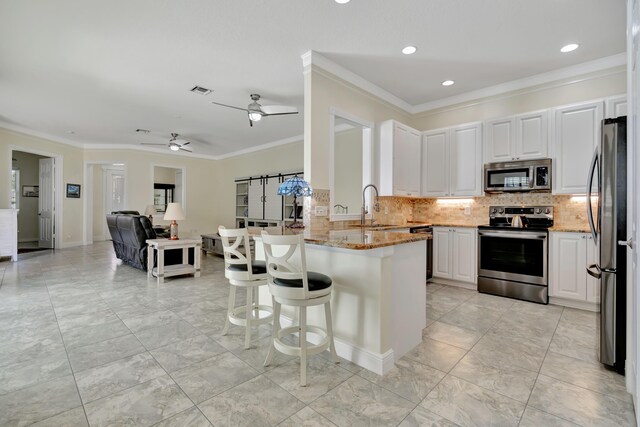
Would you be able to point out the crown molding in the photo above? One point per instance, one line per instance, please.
(314, 58)
(297, 138)
(41, 135)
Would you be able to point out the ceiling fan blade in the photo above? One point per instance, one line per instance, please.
(250, 122)
(272, 110)
(184, 149)
(229, 106)
(151, 143)
(279, 114)
(186, 143)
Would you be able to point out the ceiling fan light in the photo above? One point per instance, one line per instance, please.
(254, 116)
(174, 147)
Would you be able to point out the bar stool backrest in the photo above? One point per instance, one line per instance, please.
(232, 240)
(279, 250)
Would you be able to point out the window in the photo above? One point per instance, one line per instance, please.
(15, 189)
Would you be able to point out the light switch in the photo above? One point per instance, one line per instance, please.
(321, 211)
(467, 210)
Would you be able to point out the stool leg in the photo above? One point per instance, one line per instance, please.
(231, 307)
(332, 344)
(256, 299)
(249, 313)
(303, 346)
(274, 334)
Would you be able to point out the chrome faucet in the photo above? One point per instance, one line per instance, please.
(376, 206)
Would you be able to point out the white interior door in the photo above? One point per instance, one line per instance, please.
(272, 202)
(633, 185)
(114, 196)
(46, 210)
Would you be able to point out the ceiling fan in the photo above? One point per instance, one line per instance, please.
(175, 144)
(256, 112)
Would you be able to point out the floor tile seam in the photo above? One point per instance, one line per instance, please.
(155, 325)
(549, 413)
(490, 390)
(391, 391)
(119, 360)
(425, 398)
(540, 368)
(75, 382)
(588, 389)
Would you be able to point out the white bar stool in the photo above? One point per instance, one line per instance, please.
(294, 286)
(242, 272)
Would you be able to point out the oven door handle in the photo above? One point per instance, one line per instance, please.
(507, 234)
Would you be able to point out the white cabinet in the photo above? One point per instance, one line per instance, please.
(435, 161)
(520, 137)
(9, 233)
(569, 255)
(399, 160)
(616, 106)
(454, 253)
(452, 161)
(576, 135)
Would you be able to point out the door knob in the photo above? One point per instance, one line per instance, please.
(626, 243)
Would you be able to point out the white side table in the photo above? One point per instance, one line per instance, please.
(162, 271)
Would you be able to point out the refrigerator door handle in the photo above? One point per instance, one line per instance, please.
(595, 274)
(626, 243)
(592, 171)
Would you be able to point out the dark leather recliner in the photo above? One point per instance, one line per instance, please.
(130, 233)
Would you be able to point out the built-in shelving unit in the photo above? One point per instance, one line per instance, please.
(258, 203)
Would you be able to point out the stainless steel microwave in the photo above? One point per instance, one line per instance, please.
(522, 175)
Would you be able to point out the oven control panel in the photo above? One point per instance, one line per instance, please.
(533, 215)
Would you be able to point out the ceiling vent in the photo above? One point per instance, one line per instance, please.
(201, 90)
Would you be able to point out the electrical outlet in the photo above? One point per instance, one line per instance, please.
(321, 211)
(467, 210)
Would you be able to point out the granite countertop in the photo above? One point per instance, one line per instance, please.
(349, 238)
(455, 225)
(569, 229)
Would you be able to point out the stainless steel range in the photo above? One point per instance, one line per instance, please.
(513, 252)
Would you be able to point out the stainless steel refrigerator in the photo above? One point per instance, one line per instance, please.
(609, 229)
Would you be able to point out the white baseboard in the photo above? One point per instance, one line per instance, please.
(580, 305)
(99, 238)
(374, 362)
(465, 285)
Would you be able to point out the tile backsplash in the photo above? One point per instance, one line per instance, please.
(569, 211)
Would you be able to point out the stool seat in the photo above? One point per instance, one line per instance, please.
(291, 284)
(317, 281)
(243, 272)
(257, 267)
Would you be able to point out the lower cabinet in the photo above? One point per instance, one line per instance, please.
(455, 253)
(569, 255)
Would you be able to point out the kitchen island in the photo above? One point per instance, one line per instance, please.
(379, 297)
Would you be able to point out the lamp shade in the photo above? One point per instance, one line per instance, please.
(150, 210)
(174, 212)
(295, 186)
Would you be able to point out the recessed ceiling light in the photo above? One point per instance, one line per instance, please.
(342, 1)
(447, 83)
(409, 50)
(569, 48)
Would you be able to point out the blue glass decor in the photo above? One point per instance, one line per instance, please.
(296, 187)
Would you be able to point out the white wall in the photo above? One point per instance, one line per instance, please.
(71, 227)
(164, 175)
(348, 170)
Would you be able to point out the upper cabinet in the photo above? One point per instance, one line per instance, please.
(575, 137)
(452, 161)
(518, 137)
(399, 160)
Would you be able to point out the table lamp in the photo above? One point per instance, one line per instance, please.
(174, 213)
(150, 211)
(296, 187)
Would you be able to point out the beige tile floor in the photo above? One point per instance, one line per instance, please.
(85, 340)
